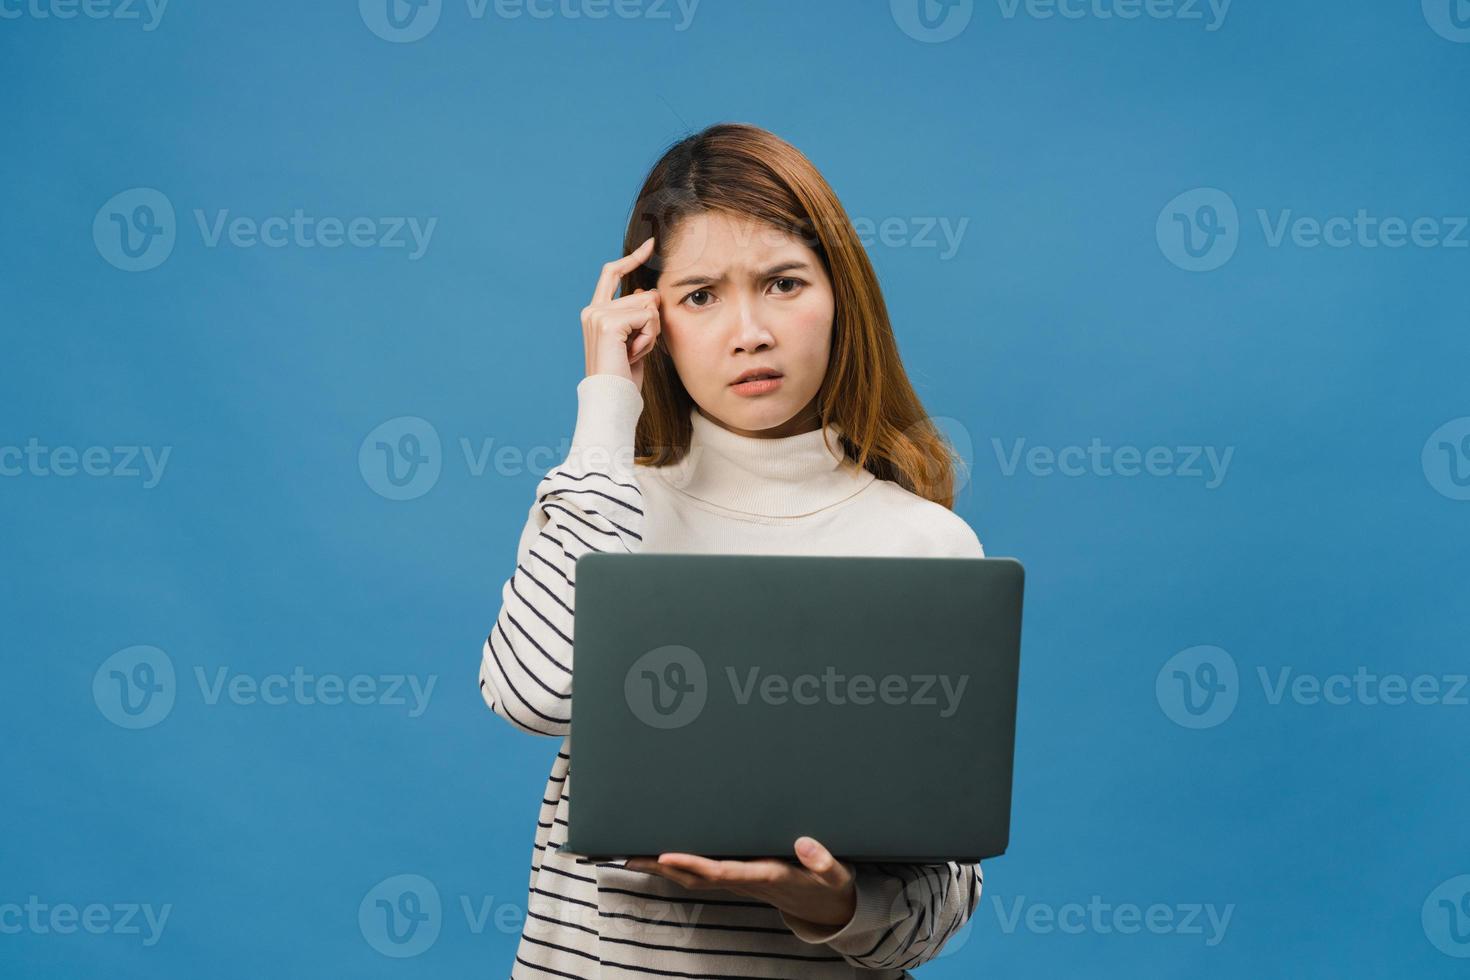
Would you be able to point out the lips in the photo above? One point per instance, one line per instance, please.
(756, 374)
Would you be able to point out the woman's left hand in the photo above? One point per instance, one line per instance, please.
(820, 889)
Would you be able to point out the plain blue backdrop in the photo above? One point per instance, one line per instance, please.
(1094, 163)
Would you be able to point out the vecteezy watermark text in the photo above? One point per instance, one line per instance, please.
(1124, 918)
(668, 687)
(307, 231)
(97, 918)
(1208, 463)
(136, 688)
(404, 457)
(935, 21)
(403, 916)
(406, 21)
(1210, 13)
(1199, 687)
(833, 687)
(136, 230)
(1201, 230)
(35, 459)
(915, 232)
(149, 13)
(300, 687)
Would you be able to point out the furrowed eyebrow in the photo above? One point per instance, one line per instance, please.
(777, 269)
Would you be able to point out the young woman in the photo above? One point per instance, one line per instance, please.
(743, 394)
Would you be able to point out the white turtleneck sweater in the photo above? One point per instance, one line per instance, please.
(730, 494)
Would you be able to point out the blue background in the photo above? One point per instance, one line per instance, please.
(1061, 318)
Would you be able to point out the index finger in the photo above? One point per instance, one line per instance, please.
(614, 271)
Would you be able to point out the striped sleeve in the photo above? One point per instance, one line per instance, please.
(905, 914)
(591, 501)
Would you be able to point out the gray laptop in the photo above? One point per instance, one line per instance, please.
(725, 705)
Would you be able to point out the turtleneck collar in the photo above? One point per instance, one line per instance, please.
(786, 477)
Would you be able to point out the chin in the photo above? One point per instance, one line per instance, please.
(755, 414)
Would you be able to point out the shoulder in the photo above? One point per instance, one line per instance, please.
(938, 530)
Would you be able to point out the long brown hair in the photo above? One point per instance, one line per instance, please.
(747, 172)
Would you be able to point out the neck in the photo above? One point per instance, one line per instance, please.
(806, 420)
(765, 476)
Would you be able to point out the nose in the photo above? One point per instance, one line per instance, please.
(750, 330)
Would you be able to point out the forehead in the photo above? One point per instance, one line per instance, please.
(714, 243)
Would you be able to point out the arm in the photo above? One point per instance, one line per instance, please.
(589, 502)
(905, 914)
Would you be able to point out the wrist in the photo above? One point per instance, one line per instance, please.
(839, 913)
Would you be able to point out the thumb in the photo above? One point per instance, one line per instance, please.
(820, 862)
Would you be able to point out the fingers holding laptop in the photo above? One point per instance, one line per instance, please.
(817, 888)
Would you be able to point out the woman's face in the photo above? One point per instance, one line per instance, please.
(737, 295)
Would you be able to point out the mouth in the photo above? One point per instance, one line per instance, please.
(757, 381)
(757, 374)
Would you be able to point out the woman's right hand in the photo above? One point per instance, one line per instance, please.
(619, 333)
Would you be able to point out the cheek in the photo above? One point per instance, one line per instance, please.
(810, 327)
(685, 346)
(673, 334)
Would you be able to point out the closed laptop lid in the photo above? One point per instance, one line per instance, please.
(725, 705)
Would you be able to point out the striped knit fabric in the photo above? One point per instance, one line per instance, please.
(731, 495)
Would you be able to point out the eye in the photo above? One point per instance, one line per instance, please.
(795, 284)
(697, 292)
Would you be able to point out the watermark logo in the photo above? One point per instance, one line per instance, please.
(301, 688)
(135, 230)
(404, 915)
(1198, 687)
(1362, 687)
(405, 21)
(835, 688)
(400, 21)
(1199, 230)
(932, 21)
(401, 916)
(663, 213)
(401, 459)
(1362, 230)
(919, 231)
(40, 918)
(37, 460)
(302, 230)
(148, 12)
(1203, 919)
(666, 687)
(1207, 463)
(1211, 13)
(1449, 18)
(1446, 917)
(135, 687)
(1446, 459)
